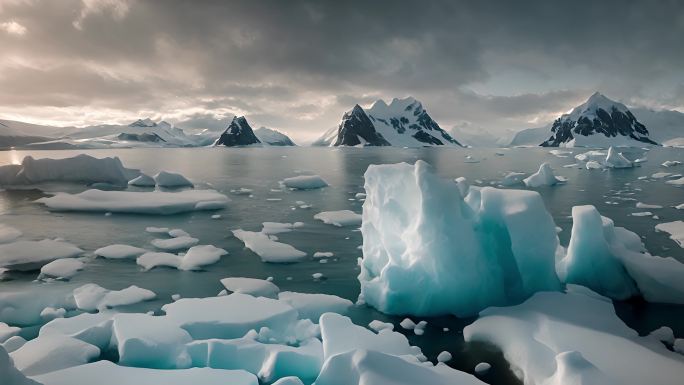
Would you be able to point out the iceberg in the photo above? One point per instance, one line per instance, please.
(428, 251)
(543, 177)
(171, 180)
(32, 255)
(304, 182)
(135, 202)
(143, 180)
(79, 169)
(574, 338)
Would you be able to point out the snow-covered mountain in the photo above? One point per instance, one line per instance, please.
(664, 126)
(598, 122)
(238, 133)
(273, 137)
(404, 122)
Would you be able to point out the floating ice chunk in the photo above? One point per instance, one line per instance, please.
(340, 335)
(377, 325)
(290, 380)
(50, 353)
(91, 297)
(93, 328)
(368, 367)
(31, 255)
(339, 218)
(312, 306)
(23, 307)
(242, 191)
(64, 268)
(8, 233)
(676, 182)
(543, 177)
(252, 286)
(318, 276)
(594, 155)
(304, 182)
(198, 256)
(79, 169)
(642, 214)
(615, 159)
(109, 373)
(50, 313)
(143, 180)
(12, 344)
(660, 175)
(176, 233)
(360, 195)
(152, 259)
(444, 357)
(135, 202)
(612, 261)
(512, 178)
(267, 361)
(173, 244)
(7, 331)
(407, 324)
(229, 316)
(483, 367)
(157, 230)
(426, 251)
(277, 228)
(641, 205)
(268, 249)
(675, 229)
(533, 335)
(171, 180)
(323, 254)
(118, 251)
(10, 374)
(663, 334)
(671, 163)
(593, 165)
(678, 346)
(149, 341)
(560, 153)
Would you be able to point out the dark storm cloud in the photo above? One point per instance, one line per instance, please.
(300, 64)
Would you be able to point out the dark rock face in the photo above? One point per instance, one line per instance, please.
(144, 137)
(238, 133)
(611, 123)
(355, 125)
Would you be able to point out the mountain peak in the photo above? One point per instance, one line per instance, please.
(147, 122)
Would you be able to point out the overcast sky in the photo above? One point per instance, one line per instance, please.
(298, 65)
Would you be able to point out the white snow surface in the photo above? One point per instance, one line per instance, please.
(427, 251)
(305, 182)
(64, 268)
(339, 218)
(575, 338)
(171, 244)
(252, 286)
(135, 202)
(268, 249)
(92, 297)
(118, 251)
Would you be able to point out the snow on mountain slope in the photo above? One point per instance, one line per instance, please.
(403, 122)
(599, 122)
(665, 126)
(273, 137)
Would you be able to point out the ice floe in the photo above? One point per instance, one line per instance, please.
(675, 229)
(64, 268)
(79, 169)
(31, 255)
(171, 180)
(304, 182)
(339, 218)
(135, 202)
(671, 163)
(118, 251)
(251, 286)
(172, 244)
(195, 258)
(92, 297)
(268, 249)
(143, 180)
(574, 338)
(52, 352)
(427, 251)
(313, 305)
(543, 177)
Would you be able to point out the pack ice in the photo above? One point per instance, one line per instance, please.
(432, 246)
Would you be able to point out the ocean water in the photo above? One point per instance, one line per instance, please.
(613, 192)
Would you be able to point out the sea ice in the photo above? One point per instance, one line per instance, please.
(52, 352)
(143, 180)
(109, 373)
(207, 317)
(574, 338)
(31, 255)
(671, 163)
(641, 205)
(543, 177)
(91, 297)
(252, 286)
(10, 374)
(444, 357)
(271, 228)
(171, 180)
(339, 218)
(194, 259)
(377, 325)
(172, 244)
(304, 182)
(12, 344)
(512, 178)
(118, 251)
(675, 229)
(615, 159)
(313, 305)
(268, 249)
(427, 251)
(135, 202)
(7, 331)
(676, 182)
(64, 268)
(93, 328)
(79, 169)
